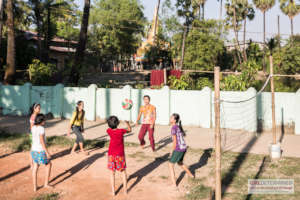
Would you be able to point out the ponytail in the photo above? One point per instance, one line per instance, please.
(77, 111)
(178, 121)
(180, 127)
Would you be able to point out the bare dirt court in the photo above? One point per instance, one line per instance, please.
(86, 177)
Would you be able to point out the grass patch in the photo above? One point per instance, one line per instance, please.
(16, 142)
(163, 177)
(92, 144)
(51, 196)
(237, 168)
(199, 192)
(139, 154)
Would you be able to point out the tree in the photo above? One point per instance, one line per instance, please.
(52, 6)
(10, 58)
(37, 16)
(247, 13)
(184, 10)
(79, 56)
(291, 9)
(264, 6)
(117, 26)
(197, 6)
(234, 10)
(204, 48)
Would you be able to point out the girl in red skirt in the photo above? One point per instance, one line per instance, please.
(116, 154)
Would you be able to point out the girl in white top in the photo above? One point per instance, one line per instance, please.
(39, 151)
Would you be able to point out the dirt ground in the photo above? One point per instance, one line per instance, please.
(86, 177)
(232, 140)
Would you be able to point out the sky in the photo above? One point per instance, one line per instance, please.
(254, 28)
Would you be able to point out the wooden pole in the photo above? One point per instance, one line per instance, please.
(218, 191)
(273, 101)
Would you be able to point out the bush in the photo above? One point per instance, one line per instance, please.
(40, 73)
(243, 81)
(186, 82)
(183, 83)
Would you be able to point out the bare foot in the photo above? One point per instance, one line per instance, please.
(142, 146)
(34, 189)
(113, 194)
(48, 186)
(125, 192)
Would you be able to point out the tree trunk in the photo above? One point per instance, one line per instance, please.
(292, 27)
(79, 56)
(183, 47)
(1, 22)
(221, 17)
(203, 12)
(37, 13)
(238, 48)
(264, 38)
(9, 76)
(221, 9)
(264, 14)
(200, 12)
(47, 37)
(244, 50)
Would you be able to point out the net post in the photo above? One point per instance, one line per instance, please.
(218, 192)
(273, 101)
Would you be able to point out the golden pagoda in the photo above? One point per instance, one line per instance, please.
(140, 55)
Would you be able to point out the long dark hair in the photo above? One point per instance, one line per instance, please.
(77, 111)
(40, 118)
(178, 121)
(31, 109)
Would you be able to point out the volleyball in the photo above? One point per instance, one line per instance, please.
(127, 104)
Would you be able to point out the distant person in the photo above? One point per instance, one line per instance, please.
(179, 147)
(116, 154)
(39, 152)
(34, 110)
(77, 125)
(149, 116)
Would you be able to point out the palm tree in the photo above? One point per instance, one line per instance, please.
(289, 8)
(264, 6)
(184, 11)
(247, 13)
(74, 76)
(10, 57)
(198, 5)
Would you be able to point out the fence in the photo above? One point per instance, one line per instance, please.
(194, 106)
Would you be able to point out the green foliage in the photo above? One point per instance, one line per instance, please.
(243, 81)
(203, 46)
(287, 60)
(116, 29)
(50, 196)
(254, 52)
(41, 73)
(183, 83)
(186, 82)
(139, 86)
(203, 82)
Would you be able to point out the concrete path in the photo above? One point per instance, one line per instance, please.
(237, 141)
